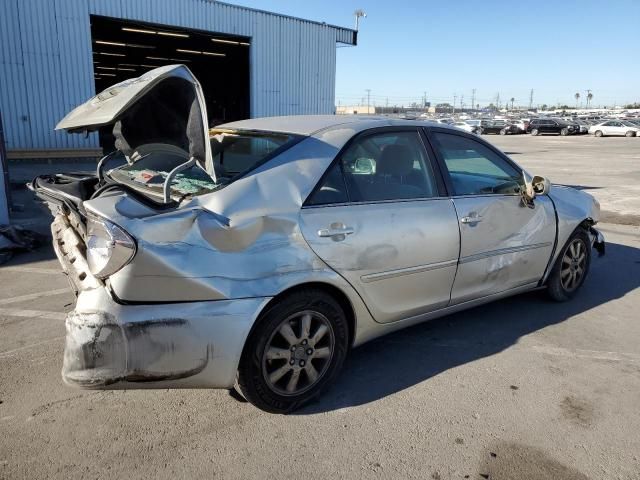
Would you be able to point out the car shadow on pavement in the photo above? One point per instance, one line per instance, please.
(400, 360)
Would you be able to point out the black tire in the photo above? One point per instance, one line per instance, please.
(534, 132)
(254, 375)
(630, 134)
(503, 131)
(560, 285)
(564, 132)
(479, 131)
(598, 133)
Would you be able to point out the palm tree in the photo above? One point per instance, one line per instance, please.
(577, 95)
(589, 97)
(512, 100)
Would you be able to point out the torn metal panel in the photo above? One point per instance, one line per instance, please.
(195, 344)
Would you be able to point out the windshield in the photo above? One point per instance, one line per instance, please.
(234, 154)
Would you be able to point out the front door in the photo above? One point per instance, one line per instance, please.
(379, 219)
(504, 244)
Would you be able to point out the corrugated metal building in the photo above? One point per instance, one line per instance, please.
(51, 52)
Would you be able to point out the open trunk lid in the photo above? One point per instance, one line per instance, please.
(164, 105)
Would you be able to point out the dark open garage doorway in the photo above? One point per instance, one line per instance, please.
(123, 49)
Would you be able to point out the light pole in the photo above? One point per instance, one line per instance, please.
(368, 90)
(359, 14)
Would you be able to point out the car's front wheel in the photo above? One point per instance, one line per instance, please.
(571, 267)
(534, 132)
(296, 350)
(564, 132)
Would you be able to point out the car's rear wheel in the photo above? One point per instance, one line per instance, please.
(598, 133)
(503, 131)
(630, 134)
(296, 350)
(571, 267)
(564, 132)
(534, 132)
(479, 131)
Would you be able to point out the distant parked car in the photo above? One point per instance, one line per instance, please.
(521, 125)
(582, 125)
(511, 129)
(539, 126)
(615, 127)
(491, 126)
(465, 126)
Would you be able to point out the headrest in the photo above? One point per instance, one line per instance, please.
(396, 160)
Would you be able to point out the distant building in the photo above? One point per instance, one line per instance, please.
(356, 110)
(55, 55)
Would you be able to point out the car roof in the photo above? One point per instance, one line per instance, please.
(308, 125)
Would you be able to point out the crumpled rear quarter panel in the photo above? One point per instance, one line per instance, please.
(189, 254)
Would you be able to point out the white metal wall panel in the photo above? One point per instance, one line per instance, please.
(46, 60)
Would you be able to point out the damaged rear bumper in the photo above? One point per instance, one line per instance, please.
(180, 345)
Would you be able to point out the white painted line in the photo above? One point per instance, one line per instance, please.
(10, 353)
(48, 271)
(17, 312)
(590, 354)
(33, 296)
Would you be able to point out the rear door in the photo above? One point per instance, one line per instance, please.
(504, 244)
(380, 218)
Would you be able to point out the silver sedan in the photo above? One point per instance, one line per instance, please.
(255, 255)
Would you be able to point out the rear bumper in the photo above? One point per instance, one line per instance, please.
(180, 345)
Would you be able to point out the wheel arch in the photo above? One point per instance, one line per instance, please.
(335, 292)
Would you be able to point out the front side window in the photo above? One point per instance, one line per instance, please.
(383, 166)
(474, 168)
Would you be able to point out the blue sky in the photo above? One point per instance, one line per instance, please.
(408, 47)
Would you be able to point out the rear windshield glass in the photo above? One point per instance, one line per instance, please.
(234, 153)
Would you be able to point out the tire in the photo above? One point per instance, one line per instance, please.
(503, 132)
(630, 134)
(480, 131)
(571, 267)
(271, 359)
(598, 133)
(564, 132)
(534, 132)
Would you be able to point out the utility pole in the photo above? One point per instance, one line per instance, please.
(531, 99)
(498, 100)
(368, 90)
(454, 104)
(461, 103)
(473, 98)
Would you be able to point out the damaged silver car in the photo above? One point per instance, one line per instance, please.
(255, 255)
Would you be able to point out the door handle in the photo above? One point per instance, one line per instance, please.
(471, 219)
(336, 231)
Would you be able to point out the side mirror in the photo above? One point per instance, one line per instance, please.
(541, 185)
(534, 186)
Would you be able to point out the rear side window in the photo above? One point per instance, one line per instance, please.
(383, 166)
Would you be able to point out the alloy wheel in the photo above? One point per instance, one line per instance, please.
(298, 353)
(573, 265)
